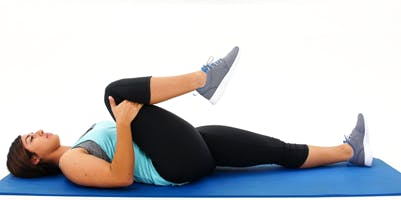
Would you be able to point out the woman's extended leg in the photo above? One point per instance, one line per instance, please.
(236, 147)
(240, 148)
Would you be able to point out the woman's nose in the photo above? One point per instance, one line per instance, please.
(39, 132)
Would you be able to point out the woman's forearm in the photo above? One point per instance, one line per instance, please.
(122, 166)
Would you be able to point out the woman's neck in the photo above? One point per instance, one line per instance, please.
(54, 157)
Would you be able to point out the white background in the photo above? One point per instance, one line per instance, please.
(306, 68)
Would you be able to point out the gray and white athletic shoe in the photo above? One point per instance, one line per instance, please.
(359, 141)
(218, 74)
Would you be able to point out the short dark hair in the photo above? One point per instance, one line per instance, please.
(19, 162)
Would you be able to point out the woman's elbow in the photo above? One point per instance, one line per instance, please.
(130, 181)
(121, 181)
(125, 182)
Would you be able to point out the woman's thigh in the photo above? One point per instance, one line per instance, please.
(176, 148)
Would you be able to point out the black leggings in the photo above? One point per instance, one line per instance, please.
(182, 153)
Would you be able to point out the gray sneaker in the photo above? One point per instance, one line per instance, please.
(218, 74)
(359, 142)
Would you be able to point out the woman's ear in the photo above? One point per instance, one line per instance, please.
(35, 159)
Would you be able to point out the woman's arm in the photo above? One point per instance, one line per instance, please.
(122, 166)
(87, 170)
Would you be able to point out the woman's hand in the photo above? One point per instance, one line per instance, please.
(124, 112)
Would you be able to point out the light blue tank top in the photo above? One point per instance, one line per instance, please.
(104, 134)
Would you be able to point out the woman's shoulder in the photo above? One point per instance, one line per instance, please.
(70, 154)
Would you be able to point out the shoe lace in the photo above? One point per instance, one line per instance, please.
(348, 138)
(210, 64)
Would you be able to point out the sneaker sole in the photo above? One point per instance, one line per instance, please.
(223, 85)
(366, 145)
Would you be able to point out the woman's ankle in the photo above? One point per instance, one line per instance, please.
(347, 151)
(201, 79)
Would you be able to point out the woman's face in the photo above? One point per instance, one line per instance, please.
(41, 143)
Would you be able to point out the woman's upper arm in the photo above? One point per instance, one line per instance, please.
(88, 170)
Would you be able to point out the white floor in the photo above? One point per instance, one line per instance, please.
(307, 67)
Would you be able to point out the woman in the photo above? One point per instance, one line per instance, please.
(148, 144)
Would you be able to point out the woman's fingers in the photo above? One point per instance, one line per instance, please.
(124, 111)
(112, 102)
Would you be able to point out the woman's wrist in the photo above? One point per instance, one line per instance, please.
(123, 123)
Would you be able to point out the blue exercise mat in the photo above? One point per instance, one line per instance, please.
(261, 181)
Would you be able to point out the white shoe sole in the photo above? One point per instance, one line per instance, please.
(223, 85)
(366, 145)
